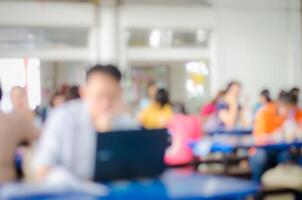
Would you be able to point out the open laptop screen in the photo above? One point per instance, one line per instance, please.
(130, 154)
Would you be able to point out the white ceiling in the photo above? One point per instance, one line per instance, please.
(161, 2)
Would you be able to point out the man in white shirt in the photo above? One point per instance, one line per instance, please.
(69, 139)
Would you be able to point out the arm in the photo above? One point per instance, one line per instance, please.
(48, 150)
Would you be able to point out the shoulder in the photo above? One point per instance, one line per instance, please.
(72, 107)
(267, 110)
(67, 112)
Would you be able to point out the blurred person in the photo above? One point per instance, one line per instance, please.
(68, 141)
(19, 99)
(209, 118)
(15, 129)
(151, 93)
(264, 98)
(296, 91)
(276, 121)
(179, 108)
(229, 111)
(58, 99)
(184, 129)
(210, 108)
(158, 113)
(73, 93)
(20, 103)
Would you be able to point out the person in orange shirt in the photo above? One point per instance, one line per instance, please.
(275, 121)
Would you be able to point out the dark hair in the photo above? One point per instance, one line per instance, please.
(151, 84)
(266, 94)
(1, 93)
(295, 89)
(231, 84)
(179, 108)
(288, 98)
(73, 93)
(110, 70)
(162, 97)
(218, 96)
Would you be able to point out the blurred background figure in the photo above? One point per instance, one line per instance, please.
(264, 98)
(208, 113)
(158, 113)
(150, 98)
(296, 92)
(20, 104)
(184, 129)
(15, 129)
(58, 99)
(230, 112)
(73, 93)
(19, 99)
(275, 122)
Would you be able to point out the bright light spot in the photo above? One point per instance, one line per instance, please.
(34, 83)
(13, 73)
(196, 72)
(197, 67)
(155, 37)
(201, 35)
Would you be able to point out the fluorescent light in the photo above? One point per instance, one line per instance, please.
(33, 83)
(12, 73)
(155, 37)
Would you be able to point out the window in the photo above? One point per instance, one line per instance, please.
(20, 72)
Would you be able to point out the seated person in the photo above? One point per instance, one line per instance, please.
(184, 129)
(296, 91)
(151, 93)
(20, 103)
(208, 113)
(230, 113)
(68, 142)
(15, 129)
(264, 98)
(158, 113)
(271, 125)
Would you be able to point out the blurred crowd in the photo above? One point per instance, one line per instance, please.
(64, 138)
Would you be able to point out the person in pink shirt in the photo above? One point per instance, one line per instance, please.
(184, 129)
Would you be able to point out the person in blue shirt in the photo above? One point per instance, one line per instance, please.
(264, 98)
(231, 114)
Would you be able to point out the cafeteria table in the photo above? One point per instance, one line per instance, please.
(173, 184)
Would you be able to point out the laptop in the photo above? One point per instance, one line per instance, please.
(132, 154)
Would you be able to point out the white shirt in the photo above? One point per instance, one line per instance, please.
(69, 139)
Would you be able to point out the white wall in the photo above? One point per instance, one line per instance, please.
(45, 13)
(177, 78)
(256, 42)
(253, 47)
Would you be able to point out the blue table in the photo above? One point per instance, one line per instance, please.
(231, 132)
(225, 145)
(178, 185)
